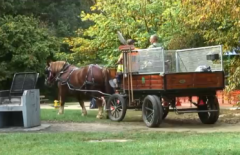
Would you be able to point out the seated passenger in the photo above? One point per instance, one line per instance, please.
(154, 41)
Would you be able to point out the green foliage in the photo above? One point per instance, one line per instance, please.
(180, 24)
(26, 49)
(219, 23)
(61, 15)
(25, 45)
(91, 36)
(186, 40)
(135, 19)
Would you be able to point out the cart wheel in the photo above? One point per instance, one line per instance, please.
(116, 107)
(211, 103)
(151, 112)
(161, 111)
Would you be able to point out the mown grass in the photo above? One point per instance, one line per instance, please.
(76, 116)
(143, 143)
(68, 116)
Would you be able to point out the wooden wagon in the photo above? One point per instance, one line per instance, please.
(153, 78)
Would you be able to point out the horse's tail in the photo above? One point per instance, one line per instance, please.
(108, 88)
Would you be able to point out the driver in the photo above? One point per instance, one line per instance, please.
(120, 62)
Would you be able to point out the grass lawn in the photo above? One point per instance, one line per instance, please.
(76, 116)
(68, 116)
(143, 143)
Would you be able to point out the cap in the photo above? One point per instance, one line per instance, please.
(131, 41)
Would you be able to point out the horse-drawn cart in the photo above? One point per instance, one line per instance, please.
(153, 79)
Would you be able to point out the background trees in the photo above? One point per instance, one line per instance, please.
(179, 23)
(218, 22)
(135, 19)
(84, 31)
(24, 45)
(31, 31)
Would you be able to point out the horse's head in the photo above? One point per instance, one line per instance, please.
(52, 70)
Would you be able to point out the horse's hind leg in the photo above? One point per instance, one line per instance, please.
(100, 108)
(81, 102)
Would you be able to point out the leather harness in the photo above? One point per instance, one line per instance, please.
(86, 82)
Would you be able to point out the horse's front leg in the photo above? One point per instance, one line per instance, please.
(100, 108)
(61, 107)
(61, 97)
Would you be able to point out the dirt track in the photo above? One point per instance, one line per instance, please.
(229, 121)
(165, 127)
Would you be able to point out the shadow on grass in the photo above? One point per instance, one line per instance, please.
(76, 116)
(132, 117)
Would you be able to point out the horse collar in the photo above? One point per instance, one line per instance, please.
(65, 67)
(67, 79)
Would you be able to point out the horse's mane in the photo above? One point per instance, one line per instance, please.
(57, 66)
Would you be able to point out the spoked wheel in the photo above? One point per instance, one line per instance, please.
(208, 103)
(116, 107)
(151, 113)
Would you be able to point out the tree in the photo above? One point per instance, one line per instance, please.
(61, 15)
(25, 44)
(135, 19)
(218, 21)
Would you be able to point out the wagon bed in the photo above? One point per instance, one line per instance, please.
(177, 81)
(153, 78)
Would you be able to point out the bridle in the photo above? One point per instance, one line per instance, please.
(51, 78)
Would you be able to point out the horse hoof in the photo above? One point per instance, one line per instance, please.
(99, 117)
(84, 114)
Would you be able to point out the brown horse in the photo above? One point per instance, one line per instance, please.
(91, 81)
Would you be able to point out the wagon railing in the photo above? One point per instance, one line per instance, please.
(187, 60)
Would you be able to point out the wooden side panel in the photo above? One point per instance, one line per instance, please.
(209, 80)
(140, 82)
(194, 80)
(179, 81)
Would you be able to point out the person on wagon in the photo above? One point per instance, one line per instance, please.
(154, 41)
(120, 62)
(154, 44)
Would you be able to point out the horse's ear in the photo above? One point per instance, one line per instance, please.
(50, 59)
(66, 63)
(48, 62)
